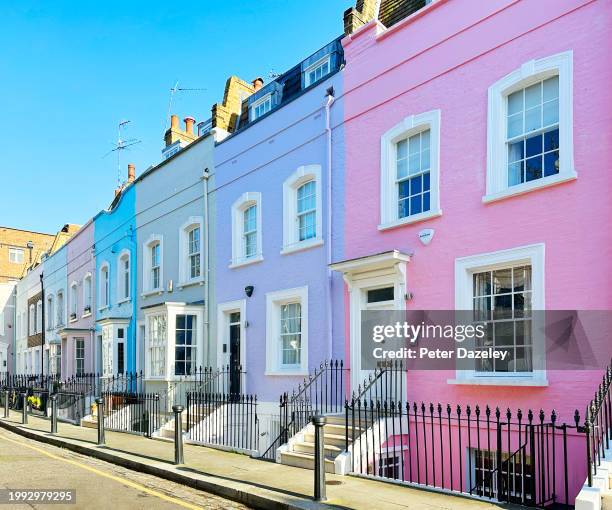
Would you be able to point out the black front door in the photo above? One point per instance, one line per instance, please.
(234, 361)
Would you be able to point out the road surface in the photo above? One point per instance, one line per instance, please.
(26, 464)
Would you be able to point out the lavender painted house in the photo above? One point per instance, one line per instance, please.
(77, 349)
(275, 299)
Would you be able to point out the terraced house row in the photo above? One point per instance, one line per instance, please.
(439, 155)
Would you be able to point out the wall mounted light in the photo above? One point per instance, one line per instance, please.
(248, 290)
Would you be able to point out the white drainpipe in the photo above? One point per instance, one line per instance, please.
(205, 176)
(330, 100)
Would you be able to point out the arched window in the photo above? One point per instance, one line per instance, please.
(302, 209)
(74, 301)
(104, 286)
(191, 251)
(246, 229)
(153, 268)
(123, 276)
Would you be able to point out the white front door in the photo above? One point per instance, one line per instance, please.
(377, 293)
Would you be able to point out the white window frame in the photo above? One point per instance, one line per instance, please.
(389, 195)
(314, 66)
(147, 290)
(103, 292)
(87, 294)
(302, 175)
(50, 311)
(263, 99)
(123, 294)
(76, 355)
(246, 200)
(529, 73)
(39, 324)
(465, 268)
(31, 319)
(274, 300)
(59, 310)
(184, 264)
(74, 301)
(107, 350)
(13, 251)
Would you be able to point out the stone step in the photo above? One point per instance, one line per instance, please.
(303, 460)
(335, 419)
(331, 451)
(330, 439)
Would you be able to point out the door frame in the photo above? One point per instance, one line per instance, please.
(223, 334)
(360, 275)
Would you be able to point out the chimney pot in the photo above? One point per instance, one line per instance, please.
(189, 122)
(174, 121)
(131, 172)
(257, 83)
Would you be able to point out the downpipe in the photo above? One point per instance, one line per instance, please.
(328, 297)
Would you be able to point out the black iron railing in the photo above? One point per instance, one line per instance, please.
(598, 426)
(323, 392)
(222, 419)
(131, 412)
(509, 457)
(71, 406)
(386, 382)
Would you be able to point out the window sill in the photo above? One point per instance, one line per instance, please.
(303, 245)
(188, 283)
(288, 372)
(409, 220)
(74, 320)
(157, 292)
(500, 381)
(104, 308)
(123, 301)
(545, 182)
(85, 315)
(246, 262)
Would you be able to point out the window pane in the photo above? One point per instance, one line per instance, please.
(551, 163)
(482, 284)
(533, 96)
(515, 102)
(551, 88)
(533, 119)
(551, 140)
(533, 168)
(378, 295)
(515, 125)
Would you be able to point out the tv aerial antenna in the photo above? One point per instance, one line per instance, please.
(120, 145)
(173, 91)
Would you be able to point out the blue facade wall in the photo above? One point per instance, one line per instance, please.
(115, 230)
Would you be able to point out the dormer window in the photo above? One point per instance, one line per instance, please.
(261, 106)
(316, 71)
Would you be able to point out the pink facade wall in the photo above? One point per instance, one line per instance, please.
(80, 261)
(445, 58)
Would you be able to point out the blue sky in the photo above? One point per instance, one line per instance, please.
(70, 71)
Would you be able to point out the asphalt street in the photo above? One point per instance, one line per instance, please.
(28, 464)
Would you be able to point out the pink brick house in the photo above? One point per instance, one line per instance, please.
(488, 123)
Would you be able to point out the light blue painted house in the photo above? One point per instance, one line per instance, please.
(115, 254)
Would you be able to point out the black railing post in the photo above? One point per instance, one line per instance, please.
(6, 403)
(500, 478)
(178, 435)
(587, 429)
(53, 399)
(100, 410)
(24, 409)
(319, 460)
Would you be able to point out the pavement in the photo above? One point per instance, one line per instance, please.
(254, 483)
(97, 484)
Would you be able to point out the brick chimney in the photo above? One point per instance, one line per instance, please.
(176, 133)
(189, 122)
(225, 114)
(363, 12)
(131, 173)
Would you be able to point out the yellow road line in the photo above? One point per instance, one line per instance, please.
(119, 479)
